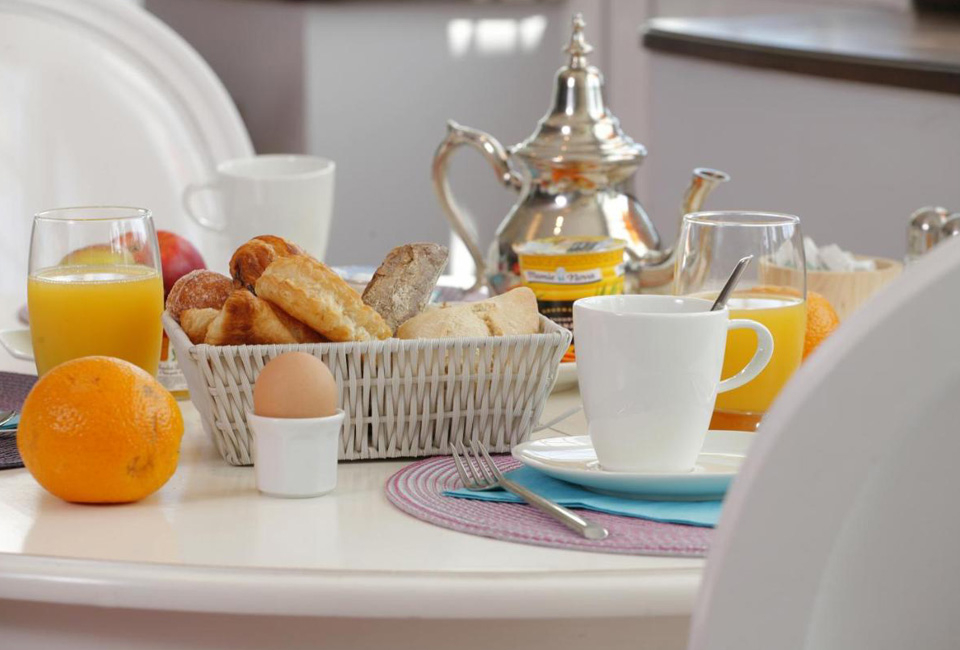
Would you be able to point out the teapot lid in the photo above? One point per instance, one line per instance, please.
(579, 128)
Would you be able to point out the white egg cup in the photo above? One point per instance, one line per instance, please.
(296, 457)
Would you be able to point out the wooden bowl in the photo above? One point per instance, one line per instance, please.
(846, 290)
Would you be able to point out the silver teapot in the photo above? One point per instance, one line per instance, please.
(574, 175)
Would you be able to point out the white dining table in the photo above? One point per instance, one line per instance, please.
(208, 562)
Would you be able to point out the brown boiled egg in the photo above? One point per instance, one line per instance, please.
(295, 385)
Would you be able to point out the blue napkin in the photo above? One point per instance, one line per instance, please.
(11, 423)
(694, 513)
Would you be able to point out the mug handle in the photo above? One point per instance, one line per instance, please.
(189, 193)
(760, 358)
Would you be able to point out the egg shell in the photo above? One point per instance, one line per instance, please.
(295, 385)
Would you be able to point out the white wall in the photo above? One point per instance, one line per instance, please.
(382, 81)
(371, 84)
(852, 160)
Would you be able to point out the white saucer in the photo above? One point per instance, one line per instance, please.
(572, 459)
(566, 377)
(18, 343)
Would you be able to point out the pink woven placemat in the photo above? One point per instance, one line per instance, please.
(417, 490)
(13, 392)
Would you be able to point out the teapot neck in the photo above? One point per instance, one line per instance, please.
(578, 128)
(578, 96)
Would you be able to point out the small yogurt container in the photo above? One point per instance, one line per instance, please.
(561, 270)
(295, 457)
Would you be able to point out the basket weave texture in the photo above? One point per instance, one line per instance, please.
(402, 398)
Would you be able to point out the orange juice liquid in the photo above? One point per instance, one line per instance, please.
(78, 311)
(786, 318)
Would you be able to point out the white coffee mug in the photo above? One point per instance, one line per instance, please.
(286, 195)
(649, 370)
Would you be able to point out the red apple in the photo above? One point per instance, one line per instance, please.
(177, 258)
(99, 255)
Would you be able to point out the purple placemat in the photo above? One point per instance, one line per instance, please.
(417, 490)
(13, 392)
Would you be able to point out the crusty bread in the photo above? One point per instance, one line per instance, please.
(247, 320)
(515, 312)
(402, 285)
(196, 322)
(249, 261)
(312, 293)
(198, 289)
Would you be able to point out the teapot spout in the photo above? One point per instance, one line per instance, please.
(704, 181)
(656, 275)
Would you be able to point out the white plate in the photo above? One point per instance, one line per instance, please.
(566, 377)
(572, 459)
(105, 104)
(18, 343)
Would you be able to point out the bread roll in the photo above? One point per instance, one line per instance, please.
(250, 260)
(515, 312)
(247, 320)
(196, 322)
(310, 292)
(402, 285)
(199, 289)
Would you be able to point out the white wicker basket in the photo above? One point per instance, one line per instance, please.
(401, 398)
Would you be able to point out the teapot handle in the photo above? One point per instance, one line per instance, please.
(497, 156)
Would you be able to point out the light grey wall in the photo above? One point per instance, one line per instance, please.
(383, 79)
(852, 160)
(372, 84)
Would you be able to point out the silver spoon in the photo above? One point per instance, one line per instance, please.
(731, 284)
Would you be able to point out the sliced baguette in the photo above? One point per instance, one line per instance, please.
(515, 312)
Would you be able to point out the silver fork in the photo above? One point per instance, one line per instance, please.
(6, 416)
(479, 473)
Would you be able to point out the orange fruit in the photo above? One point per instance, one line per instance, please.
(821, 321)
(100, 430)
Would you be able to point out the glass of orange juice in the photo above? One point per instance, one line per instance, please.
(772, 291)
(95, 286)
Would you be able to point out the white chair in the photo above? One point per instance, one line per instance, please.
(842, 529)
(104, 104)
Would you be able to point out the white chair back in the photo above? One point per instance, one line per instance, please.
(104, 104)
(842, 529)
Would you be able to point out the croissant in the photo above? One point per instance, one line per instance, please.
(247, 320)
(309, 291)
(196, 322)
(250, 260)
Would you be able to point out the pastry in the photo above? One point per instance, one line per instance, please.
(198, 289)
(402, 285)
(312, 293)
(249, 261)
(196, 322)
(247, 320)
(514, 312)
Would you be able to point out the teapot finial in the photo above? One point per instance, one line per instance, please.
(578, 47)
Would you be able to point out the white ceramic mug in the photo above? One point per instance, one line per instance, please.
(286, 195)
(649, 370)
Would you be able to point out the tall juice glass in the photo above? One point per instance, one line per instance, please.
(710, 245)
(95, 286)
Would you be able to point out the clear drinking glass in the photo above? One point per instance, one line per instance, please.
(95, 286)
(772, 291)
